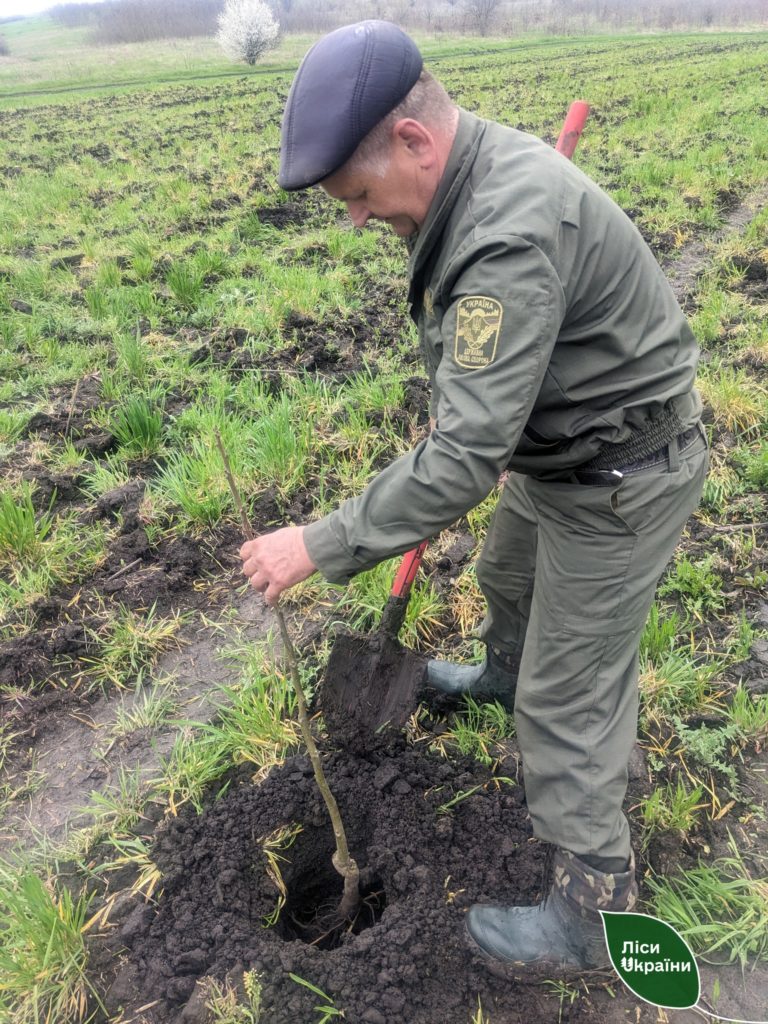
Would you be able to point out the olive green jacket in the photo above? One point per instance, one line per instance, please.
(547, 328)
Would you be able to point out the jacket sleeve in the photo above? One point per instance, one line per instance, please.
(504, 305)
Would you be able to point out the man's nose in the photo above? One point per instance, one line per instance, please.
(358, 213)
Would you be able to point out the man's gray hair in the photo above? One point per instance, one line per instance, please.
(427, 102)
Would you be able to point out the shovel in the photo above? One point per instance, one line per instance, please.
(371, 681)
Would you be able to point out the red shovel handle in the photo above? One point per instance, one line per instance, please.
(573, 126)
(406, 574)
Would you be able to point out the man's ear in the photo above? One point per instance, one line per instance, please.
(416, 139)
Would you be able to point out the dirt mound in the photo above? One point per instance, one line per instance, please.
(423, 865)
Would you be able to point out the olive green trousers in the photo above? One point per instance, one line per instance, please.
(569, 571)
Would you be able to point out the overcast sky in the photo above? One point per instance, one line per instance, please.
(10, 7)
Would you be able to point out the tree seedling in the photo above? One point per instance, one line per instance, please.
(344, 864)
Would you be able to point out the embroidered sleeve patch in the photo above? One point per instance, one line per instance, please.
(478, 323)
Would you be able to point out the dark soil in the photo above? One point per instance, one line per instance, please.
(287, 215)
(407, 961)
(406, 958)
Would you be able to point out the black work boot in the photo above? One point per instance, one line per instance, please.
(565, 931)
(495, 679)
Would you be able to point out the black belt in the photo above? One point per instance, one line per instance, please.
(611, 477)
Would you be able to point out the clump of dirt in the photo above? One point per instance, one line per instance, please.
(286, 215)
(754, 281)
(423, 863)
(70, 416)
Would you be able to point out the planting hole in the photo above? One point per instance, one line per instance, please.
(311, 915)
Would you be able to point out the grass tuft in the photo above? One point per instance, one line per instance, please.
(476, 732)
(127, 644)
(671, 808)
(700, 588)
(21, 530)
(138, 425)
(43, 955)
(720, 909)
(227, 1006)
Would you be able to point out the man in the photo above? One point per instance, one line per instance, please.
(556, 350)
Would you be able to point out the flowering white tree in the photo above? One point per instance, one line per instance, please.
(247, 30)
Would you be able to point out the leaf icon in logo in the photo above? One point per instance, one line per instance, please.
(652, 959)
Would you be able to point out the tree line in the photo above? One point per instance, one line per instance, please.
(120, 21)
(137, 21)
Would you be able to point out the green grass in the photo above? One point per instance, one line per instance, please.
(696, 582)
(22, 530)
(43, 955)
(753, 465)
(133, 852)
(361, 604)
(706, 749)
(12, 423)
(660, 632)
(254, 725)
(720, 909)
(269, 452)
(39, 553)
(138, 426)
(126, 644)
(326, 1010)
(738, 400)
(675, 682)
(149, 709)
(108, 813)
(748, 717)
(671, 808)
(476, 732)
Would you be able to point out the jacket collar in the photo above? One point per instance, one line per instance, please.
(469, 132)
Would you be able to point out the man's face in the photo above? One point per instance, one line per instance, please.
(398, 197)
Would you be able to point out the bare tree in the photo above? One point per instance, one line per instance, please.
(74, 15)
(480, 14)
(136, 21)
(139, 20)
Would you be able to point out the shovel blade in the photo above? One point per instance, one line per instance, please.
(371, 683)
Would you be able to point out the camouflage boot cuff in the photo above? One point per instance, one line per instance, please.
(506, 661)
(588, 890)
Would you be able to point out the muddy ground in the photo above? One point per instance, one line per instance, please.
(423, 863)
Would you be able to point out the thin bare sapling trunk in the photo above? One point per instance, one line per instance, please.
(342, 861)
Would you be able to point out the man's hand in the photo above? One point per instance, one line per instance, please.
(276, 561)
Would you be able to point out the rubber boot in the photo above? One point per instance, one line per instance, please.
(565, 931)
(495, 679)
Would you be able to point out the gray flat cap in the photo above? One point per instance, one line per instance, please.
(348, 82)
